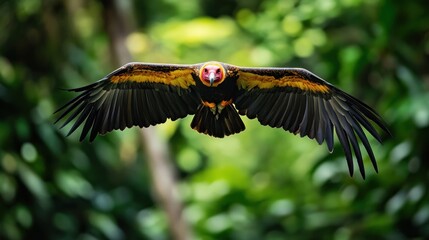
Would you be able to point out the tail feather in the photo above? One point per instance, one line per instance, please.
(216, 124)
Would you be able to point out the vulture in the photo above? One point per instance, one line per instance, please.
(216, 93)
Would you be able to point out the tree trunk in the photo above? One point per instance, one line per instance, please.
(159, 161)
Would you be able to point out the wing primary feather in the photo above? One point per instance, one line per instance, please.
(139, 106)
(97, 125)
(311, 118)
(358, 130)
(109, 107)
(123, 107)
(302, 126)
(117, 112)
(191, 102)
(135, 107)
(119, 121)
(300, 113)
(329, 132)
(151, 107)
(243, 100)
(159, 108)
(182, 106)
(79, 121)
(290, 111)
(319, 124)
(154, 108)
(366, 144)
(341, 136)
(88, 123)
(76, 99)
(171, 110)
(120, 115)
(277, 110)
(254, 108)
(129, 112)
(282, 110)
(307, 118)
(70, 106)
(95, 95)
(113, 109)
(163, 108)
(101, 100)
(99, 83)
(74, 115)
(348, 128)
(176, 109)
(365, 110)
(264, 113)
(314, 118)
(346, 146)
(145, 108)
(363, 120)
(179, 106)
(354, 142)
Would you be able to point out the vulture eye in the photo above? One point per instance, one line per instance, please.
(205, 70)
(218, 70)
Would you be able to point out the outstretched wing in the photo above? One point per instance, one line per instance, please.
(136, 94)
(300, 102)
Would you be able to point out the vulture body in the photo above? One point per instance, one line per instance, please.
(144, 94)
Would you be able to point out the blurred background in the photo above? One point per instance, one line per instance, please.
(260, 184)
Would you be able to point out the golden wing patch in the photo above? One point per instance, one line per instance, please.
(264, 80)
(179, 78)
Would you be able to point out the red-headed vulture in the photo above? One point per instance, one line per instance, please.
(144, 94)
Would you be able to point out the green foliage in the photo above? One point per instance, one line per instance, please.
(261, 184)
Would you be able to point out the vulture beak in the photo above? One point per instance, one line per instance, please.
(212, 78)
